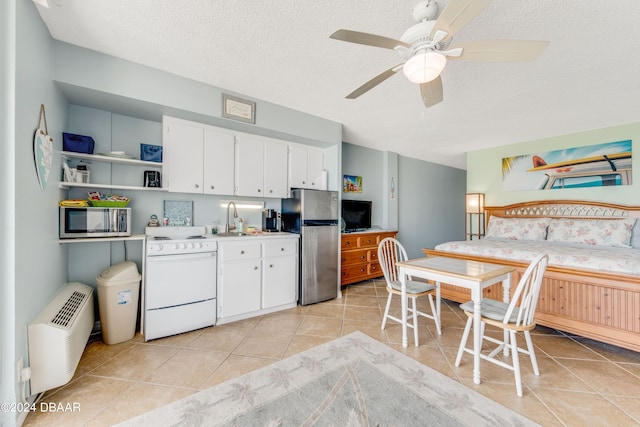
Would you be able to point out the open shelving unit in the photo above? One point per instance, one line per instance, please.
(64, 185)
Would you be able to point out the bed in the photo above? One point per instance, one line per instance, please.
(592, 284)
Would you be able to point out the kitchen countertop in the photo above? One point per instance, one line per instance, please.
(254, 236)
(184, 232)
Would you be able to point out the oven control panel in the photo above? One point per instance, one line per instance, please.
(172, 247)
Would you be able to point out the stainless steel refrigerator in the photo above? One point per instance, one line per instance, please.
(314, 215)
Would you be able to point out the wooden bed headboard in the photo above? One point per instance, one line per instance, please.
(574, 209)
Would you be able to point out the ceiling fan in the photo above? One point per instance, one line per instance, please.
(425, 46)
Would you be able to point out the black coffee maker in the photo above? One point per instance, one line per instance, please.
(269, 220)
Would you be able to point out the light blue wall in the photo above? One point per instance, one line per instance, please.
(40, 261)
(484, 169)
(367, 163)
(7, 214)
(101, 81)
(429, 205)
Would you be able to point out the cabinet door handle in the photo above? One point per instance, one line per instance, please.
(304, 182)
(281, 249)
(270, 191)
(313, 183)
(241, 252)
(213, 186)
(270, 265)
(197, 186)
(255, 268)
(259, 190)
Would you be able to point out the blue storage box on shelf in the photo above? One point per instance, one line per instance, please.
(77, 143)
(151, 153)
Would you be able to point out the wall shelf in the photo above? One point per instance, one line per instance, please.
(109, 159)
(102, 239)
(67, 185)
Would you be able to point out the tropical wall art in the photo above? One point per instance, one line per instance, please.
(588, 166)
(352, 184)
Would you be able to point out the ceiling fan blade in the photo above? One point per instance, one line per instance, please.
(457, 14)
(367, 39)
(374, 82)
(431, 92)
(500, 50)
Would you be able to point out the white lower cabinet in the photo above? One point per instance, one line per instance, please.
(279, 273)
(256, 276)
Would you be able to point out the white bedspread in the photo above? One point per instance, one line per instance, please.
(599, 258)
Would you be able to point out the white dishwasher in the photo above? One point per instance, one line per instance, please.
(179, 281)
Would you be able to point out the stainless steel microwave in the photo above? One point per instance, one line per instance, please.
(94, 222)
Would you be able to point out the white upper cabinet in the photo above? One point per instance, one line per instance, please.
(183, 144)
(199, 158)
(204, 159)
(250, 166)
(219, 154)
(315, 169)
(275, 169)
(306, 167)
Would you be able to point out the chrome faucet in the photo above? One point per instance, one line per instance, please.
(235, 215)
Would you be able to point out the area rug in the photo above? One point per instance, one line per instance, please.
(351, 381)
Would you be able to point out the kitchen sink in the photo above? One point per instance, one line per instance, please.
(231, 234)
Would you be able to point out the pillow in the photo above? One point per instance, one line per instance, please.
(635, 235)
(606, 232)
(518, 228)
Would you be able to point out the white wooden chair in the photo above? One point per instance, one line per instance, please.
(517, 316)
(391, 251)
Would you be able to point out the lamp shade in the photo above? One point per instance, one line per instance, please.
(424, 67)
(474, 203)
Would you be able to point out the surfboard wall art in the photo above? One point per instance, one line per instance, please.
(597, 165)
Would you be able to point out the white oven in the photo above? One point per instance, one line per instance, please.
(180, 283)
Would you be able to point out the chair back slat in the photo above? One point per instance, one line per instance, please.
(390, 251)
(527, 292)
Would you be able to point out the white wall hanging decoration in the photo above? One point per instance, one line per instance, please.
(42, 150)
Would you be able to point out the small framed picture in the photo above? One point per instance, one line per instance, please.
(238, 109)
(352, 184)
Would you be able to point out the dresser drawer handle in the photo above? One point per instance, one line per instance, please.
(347, 243)
(343, 259)
(362, 270)
(362, 257)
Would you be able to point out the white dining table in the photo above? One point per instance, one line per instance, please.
(473, 275)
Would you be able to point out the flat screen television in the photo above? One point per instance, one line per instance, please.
(356, 214)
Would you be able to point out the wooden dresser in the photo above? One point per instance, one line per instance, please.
(359, 255)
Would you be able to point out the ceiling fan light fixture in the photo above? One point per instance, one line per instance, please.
(424, 67)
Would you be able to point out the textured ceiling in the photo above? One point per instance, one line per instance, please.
(280, 51)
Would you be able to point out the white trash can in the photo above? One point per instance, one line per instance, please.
(118, 293)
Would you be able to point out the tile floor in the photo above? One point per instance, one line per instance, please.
(582, 382)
